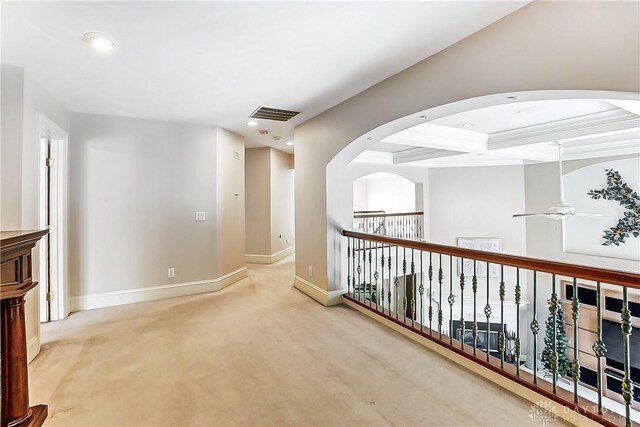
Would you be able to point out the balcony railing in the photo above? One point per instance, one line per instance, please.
(406, 225)
(562, 330)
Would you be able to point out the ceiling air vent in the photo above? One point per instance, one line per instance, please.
(273, 114)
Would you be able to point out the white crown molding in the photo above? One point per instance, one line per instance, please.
(417, 154)
(150, 293)
(326, 298)
(430, 135)
(269, 259)
(586, 126)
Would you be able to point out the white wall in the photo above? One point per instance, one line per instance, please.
(282, 201)
(23, 100)
(543, 46)
(384, 192)
(270, 204)
(258, 205)
(135, 186)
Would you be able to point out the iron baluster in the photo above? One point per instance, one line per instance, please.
(575, 315)
(462, 331)
(487, 313)
(516, 345)
(404, 285)
(421, 290)
(598, 347)
(430, 292)
(397, 284)
(474, 325)
(376, 276)
(413, 293)
(359, 270)
(389, 289)
(625, 325)
(451, 299)
(535, 327)
(440, 297)
(348, 265)
(370, 284)
(501, 338)
(554, 353)
(382, 265)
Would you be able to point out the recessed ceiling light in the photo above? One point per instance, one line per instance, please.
(424, 117)
(513, 98)
(467, 125)
(290, 143)
(369, 139)
(252, 123)
(99, 41)
(523, 111)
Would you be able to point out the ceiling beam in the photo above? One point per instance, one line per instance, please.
(440, 137)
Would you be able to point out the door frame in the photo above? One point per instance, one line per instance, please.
(59, 307)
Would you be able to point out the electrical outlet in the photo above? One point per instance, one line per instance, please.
(171, 272)
(201, 216)
(310, 271)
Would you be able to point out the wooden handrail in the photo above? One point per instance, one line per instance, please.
(614, 277)
(388, 214)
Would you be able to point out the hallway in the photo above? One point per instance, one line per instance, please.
(256, 353)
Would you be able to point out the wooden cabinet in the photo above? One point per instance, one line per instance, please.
(16, 281)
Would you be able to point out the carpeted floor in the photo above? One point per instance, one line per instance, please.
(258, 353)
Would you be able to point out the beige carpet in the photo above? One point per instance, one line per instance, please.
(258, 353)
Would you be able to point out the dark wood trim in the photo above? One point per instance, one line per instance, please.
(609, 419)
(614, 277)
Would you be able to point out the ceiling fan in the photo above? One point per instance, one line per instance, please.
(561, 210)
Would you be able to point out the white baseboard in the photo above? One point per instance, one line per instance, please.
(269, 259)
(327, 298)
(33, 348)
(131, 296)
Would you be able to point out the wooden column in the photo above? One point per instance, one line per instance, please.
(16, 281)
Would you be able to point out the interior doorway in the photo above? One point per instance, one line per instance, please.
(52, 249)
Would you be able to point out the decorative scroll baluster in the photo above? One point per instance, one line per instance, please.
(376, 276)
(474, 325)
(516, 346)
(404, 285)
(397, 284)
(440, 298)
(575, 315)
(487, 313)
(382, 266)
(462, 331)
(413, 294)
(451, 299)
(359, 270)
(625, 325)
(501, 337)
(421, 290)
(370, 284)
(430, 293)
(349, 265)
(554, 353)
(599, 348)
(389, 290)
(535, 327)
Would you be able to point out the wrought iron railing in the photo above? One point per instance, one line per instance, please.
(487, 307)
(406, 225)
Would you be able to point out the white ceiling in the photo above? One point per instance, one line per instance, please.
(216, 62)
(499, 135)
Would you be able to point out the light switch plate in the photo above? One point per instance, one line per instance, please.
(201, 216)
(171, 272)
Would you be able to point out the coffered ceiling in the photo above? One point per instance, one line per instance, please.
(515, 133)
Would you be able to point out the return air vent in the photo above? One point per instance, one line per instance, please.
(273, 114)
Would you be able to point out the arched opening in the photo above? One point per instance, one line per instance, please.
(484, 162)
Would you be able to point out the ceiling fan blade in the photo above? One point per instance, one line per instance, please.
(588, 215)
(533, 214)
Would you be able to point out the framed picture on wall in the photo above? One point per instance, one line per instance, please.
(479, 244)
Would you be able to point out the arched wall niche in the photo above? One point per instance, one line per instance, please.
(546, 50)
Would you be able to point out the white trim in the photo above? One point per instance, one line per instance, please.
(33, 348)
(327, 298)
(269, 259)
(150, 293)
(58, 234)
